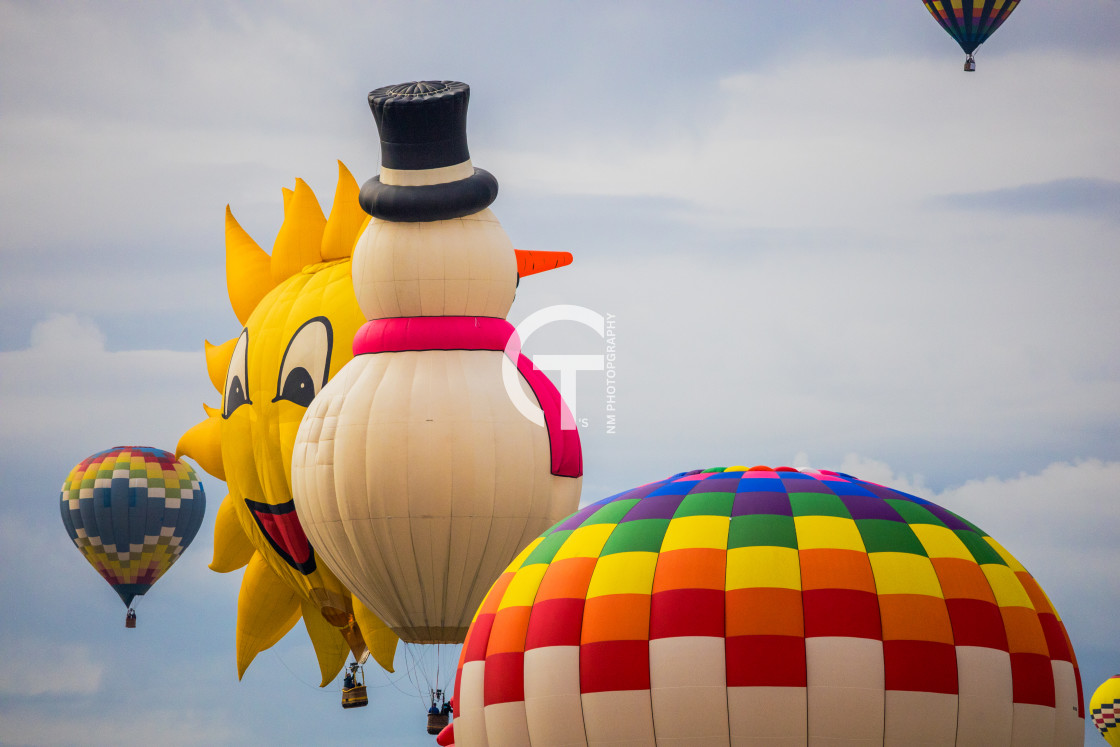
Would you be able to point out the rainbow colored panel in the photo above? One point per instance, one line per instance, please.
(131, 511)
(815, 604)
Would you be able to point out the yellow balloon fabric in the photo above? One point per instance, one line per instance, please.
(232, 548)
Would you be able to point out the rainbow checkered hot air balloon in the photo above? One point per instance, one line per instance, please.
(132, 510)
(736, 606)
(970, 22)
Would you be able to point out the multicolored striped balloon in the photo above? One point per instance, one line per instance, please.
(970, 22)
(730, 605)
(132, 510)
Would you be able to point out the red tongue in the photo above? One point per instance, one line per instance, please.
(285, 531)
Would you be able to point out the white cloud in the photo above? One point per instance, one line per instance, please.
(44, 667)
(67, 334)
(1061, 523)
(846, 142)
(879, 472)
(163, 726)
(986, 366)
(68, 393)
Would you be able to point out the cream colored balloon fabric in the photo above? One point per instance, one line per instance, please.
(459, 267)
(428, 482)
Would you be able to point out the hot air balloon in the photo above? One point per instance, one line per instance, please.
(414, 474)
(131, 511)
(1104, 707)
(970, 22)
(751, 606)
(299, 313)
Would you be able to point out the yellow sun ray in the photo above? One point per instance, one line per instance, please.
(203, 443)
(300, 240)
(347, 219)
(248, 270)
(232, 547)
(266, 610)
(381, 641)
(330, 647)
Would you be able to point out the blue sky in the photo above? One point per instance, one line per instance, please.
(825, 245)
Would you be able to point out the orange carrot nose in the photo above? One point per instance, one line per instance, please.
(532, 262)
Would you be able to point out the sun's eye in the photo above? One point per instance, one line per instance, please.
(236, 390)
(306, 363)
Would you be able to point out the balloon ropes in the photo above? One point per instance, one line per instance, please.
(430, 670)
(132, 511)
(970, 22)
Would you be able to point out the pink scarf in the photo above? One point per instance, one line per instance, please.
(478, 333)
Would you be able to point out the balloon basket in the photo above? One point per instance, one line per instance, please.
(436, 723)
(354, 697)
(130, 619)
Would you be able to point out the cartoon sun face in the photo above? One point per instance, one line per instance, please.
(300, 316)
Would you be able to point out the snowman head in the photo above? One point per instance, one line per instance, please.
(433, 248)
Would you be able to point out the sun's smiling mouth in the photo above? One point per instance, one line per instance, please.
(282, 529)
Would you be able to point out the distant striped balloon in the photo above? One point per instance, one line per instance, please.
(970, 22)
(131, 511)
(751, 606)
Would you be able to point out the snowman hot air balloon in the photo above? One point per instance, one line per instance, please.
(415, 474)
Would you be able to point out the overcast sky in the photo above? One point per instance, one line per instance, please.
(824, 244)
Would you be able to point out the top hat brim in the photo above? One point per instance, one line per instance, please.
(408, 204)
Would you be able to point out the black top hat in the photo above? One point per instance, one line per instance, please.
(423, 125)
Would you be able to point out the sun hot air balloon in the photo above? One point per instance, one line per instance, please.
(299, 314)
(1104, 707)
(132, 511)
(414, 474)
(970, 22)
(751, 606)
